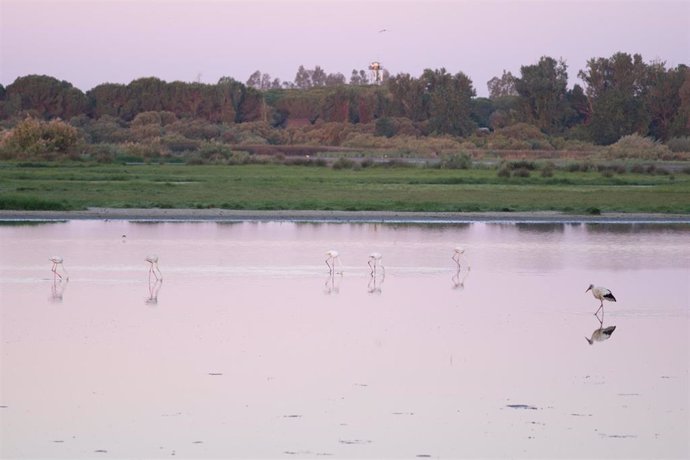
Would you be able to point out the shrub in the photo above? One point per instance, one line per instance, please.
(679, 144)
(36, 138)
(385, 127)
(636, 146)
(457, 161)
(521, 172)
(547, 169)
(343, 163)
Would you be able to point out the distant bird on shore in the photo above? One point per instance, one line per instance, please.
(332, 257)
(602, 294)
(375, 260)
(153, 268)
(58, 262)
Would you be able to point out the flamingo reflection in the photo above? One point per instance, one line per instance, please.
(57, 290)
(601, 333)
(154, 288)
(375, 282)
(332, 284)
(459, 278)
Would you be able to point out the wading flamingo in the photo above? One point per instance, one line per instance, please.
(375, 260)
(153, 268)
(457, 253)
(332, 257)
(57, 262)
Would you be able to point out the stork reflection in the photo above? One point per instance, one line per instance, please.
(57, 290)
(601, 333)
(375, 283)
(154, 288)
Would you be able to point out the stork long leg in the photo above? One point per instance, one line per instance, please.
(601, 307)
(330, 269)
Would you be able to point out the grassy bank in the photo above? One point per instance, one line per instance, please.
(267, 187)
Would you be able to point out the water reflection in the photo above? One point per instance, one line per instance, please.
(601, 333)
(57, 290)
(154, 288)
(511, 396)
(375, 282)
(459, 278)
(332, 284)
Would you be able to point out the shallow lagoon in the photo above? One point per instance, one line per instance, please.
(249, 348)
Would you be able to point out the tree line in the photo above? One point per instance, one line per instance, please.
(620, 95)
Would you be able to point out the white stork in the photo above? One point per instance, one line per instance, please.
(601, 334)
(602, 294)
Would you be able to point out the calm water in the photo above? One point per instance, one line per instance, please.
(248, 348)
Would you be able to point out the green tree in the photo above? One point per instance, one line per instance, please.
(503, 86)
(409, 98)
(449, 102)
(663, 99)
(303, 78)
(45, 97)
(542, 89)
(615, 88)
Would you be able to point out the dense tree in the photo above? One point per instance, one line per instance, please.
(503, 86)
(449, 102)
(335, 79)
(408, 97)
(542, 89)
(681, 122)
(303, 78)
(663, 98)
(318, 76)
(45, 97)
(615, 87)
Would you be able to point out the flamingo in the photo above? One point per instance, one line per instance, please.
(457, 252)
(332, 256)
(602, 294)
(374, 261)
(57, 262)
(153, 260)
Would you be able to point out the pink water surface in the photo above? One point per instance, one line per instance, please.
(250, 349)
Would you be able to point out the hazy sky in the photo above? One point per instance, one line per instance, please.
(98, 41)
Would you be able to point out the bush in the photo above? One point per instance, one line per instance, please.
(636, 146)
(521, 172)
(547, 169)
(385, 127)
(37, 138)
(457, 161)
(679, 144)
(343, 163)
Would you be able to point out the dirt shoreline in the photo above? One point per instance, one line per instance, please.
(221, 215)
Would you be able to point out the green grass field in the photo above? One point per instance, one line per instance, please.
(273, 187)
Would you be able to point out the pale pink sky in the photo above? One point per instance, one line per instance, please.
(98, 41)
